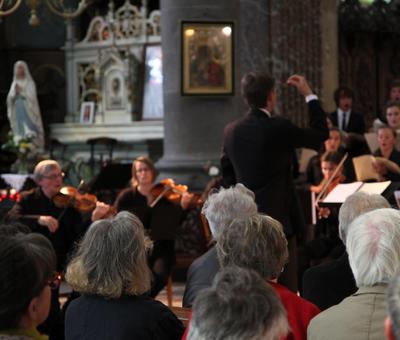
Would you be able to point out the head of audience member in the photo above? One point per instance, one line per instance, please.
(393, 114)
(14, 228)
(329, 163)
(121, 239)
(332, 144)
(143, 171)
(255, 242)
(392, 322)
(394, 93)
(386, 139)
(240, 306)
(373, 245)
(27, 266)
(49, 177)
(355, 205)
(343, 97)
(224, 205)
(258, 90)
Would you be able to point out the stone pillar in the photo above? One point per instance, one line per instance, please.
(193, 125)
(330, 53)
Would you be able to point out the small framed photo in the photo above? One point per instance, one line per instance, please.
(87, 113)
(207, 58)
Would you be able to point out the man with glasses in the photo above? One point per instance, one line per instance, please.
(62, 226)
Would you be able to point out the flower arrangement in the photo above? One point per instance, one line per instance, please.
(24, 150)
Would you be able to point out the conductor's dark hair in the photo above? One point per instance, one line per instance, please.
(255, 88)
(27, 262)
(342, 91)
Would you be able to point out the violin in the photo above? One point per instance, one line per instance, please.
(172, 192)
(71, 197)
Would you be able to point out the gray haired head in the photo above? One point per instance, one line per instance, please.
(43, 168)
(373, 245)
(111, 258)
(256, 242)
(356, 205)
(240, 305)
(223, 206)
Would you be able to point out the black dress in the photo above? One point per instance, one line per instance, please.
(161, 223)
(128, 317)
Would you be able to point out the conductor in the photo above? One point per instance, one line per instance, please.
(258, 151)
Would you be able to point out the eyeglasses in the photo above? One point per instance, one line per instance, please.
(55, 280)
(55, 176)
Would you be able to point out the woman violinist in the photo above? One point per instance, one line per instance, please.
(161, 219)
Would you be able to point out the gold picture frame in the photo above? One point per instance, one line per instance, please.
(207, 58)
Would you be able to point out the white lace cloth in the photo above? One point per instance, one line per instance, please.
(16, 181)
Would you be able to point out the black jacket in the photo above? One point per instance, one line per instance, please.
(258, 152)
(200, 275)
(130, 317)
(356, 122)
(329, 283)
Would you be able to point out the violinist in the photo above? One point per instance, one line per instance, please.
(160, 219)
(332, 144)
(62, 226)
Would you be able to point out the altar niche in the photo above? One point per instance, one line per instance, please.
(108, 66)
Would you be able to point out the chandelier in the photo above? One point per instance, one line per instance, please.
(57, 7)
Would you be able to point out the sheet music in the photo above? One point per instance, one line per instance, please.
(342, 191)
(375, 188)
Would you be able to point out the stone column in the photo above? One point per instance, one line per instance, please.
(193, 125)
(330, 53)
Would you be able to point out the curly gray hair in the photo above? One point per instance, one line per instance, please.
(224, 205)
(256, 242)
(111, 258)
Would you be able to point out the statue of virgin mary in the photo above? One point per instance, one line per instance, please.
(23, 107)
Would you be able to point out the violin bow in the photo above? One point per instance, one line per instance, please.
(329, 180)
(152, 204)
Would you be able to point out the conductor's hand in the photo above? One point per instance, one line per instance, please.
(300, 83)
(50, 222)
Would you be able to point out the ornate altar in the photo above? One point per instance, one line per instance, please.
(107, 68)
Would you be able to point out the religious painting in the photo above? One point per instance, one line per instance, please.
(207, 58)
(115, 90)
(87, 113)
(153, 83)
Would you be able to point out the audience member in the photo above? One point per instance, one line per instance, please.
(240, 306)
(392, 323)
(111, 272)
(373, 245)
(27, 265)
(219, 209)
(329, 283)
(258, 242)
